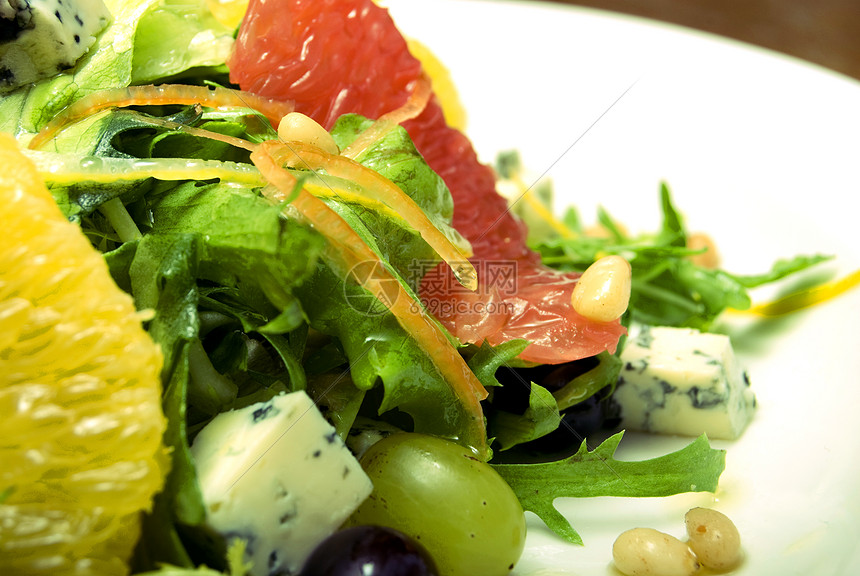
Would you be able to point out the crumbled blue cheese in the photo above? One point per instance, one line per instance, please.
(682, 381)
(39, 38)
(277, 475)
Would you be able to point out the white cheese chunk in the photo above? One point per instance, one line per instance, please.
(277, 475)
(682, 381)
(39, 38)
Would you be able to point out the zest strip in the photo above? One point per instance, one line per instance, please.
(301, 155)
(297, 154)
(348, 250)
(416, 103)
(272, 109)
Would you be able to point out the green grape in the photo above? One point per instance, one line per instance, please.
(438, 493)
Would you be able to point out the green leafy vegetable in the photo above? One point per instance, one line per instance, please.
(379, 350)
(539, 419)
(133, 48)
(6, 493)
(236, 565)
(396, 158)
(488, 359)
(586, 385)
(586, 474)
(668, 288)
(163, 274)
(245, 304)
(176, 36)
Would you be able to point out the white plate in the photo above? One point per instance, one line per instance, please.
(762, 152)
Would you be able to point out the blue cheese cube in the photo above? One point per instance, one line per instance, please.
(277, 475)
(39, 38)
(682, 381)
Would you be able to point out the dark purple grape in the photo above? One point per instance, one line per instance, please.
(369, 551)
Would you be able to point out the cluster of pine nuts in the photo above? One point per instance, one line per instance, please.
(713, 541)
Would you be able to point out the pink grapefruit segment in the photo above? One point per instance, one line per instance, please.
(335, 57)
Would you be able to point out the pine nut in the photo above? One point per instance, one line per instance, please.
(710, 258)
(296, 127)
(714, 538)
(648, 552)
(602, 293)
(601, 231)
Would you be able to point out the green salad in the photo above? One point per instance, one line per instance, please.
(251, 299)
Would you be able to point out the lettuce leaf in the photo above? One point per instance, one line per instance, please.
(162, 275)
(245, 241)
(175, 37)
(203, 236)
(396, 158)
(142, 44)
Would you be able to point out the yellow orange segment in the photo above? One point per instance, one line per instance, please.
(228, 12)
(443, 84)
(80, 394)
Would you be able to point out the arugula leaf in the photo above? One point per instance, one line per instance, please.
(672, 232)
(540, 417)
(532, 401)
(591, 382)
(695, 468)
(668, 288)
(488, 359)
(781, 269)
(285, 334)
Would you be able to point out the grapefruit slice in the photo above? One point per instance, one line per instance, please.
(332, 58)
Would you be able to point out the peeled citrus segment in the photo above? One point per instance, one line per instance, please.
(294, 49)
(80, 394)
(443, 84)
(228, 12)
